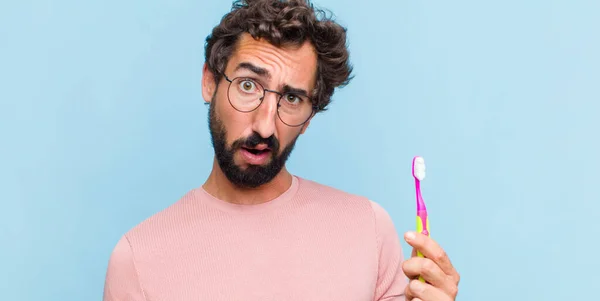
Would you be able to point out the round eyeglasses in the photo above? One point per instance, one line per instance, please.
(246, 95)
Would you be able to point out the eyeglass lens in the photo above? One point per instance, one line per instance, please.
(246, 95)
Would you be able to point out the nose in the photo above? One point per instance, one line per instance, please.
(266, 115)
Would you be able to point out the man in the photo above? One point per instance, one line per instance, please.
(254, 231)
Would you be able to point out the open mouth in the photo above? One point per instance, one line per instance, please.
(256, 151)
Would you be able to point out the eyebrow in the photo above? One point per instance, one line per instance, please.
(266, 74)
(292, 90)
(251, 67)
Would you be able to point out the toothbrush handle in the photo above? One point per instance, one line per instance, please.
(422, 227)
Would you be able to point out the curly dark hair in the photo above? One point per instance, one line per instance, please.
(282, 23)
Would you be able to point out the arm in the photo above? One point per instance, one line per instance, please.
(122, 279)
(391, 280)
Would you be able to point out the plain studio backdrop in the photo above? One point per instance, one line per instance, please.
(103, 124)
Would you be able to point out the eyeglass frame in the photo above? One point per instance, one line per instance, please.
(315, 108)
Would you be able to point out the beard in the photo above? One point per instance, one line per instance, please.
(253, 175)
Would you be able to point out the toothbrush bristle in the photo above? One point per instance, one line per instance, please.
(419, 168)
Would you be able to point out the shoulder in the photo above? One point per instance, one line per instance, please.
(360, 215)
(165, 222)
(328, 196)
(122, 280)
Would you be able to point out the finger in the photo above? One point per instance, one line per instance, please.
(412, 267)
(413, 254)
(427, 291)
(432, 250)
(408, 295)
(430, 271)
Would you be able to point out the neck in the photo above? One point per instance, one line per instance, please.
(220, 187)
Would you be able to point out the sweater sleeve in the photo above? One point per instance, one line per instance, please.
(122, 279)
(391, 280)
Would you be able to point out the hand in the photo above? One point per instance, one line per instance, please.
(441, 279)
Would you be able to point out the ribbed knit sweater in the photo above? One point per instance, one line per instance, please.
(313, 242)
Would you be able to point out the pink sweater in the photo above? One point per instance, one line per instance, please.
(313, 242)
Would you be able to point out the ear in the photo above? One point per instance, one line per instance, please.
(209, 85)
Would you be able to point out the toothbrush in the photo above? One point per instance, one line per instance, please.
(418, 171)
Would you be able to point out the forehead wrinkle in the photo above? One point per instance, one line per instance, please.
(285, 59)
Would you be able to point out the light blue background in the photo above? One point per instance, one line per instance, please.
(103, 124)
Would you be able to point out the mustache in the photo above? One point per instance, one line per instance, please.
(256, 139)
